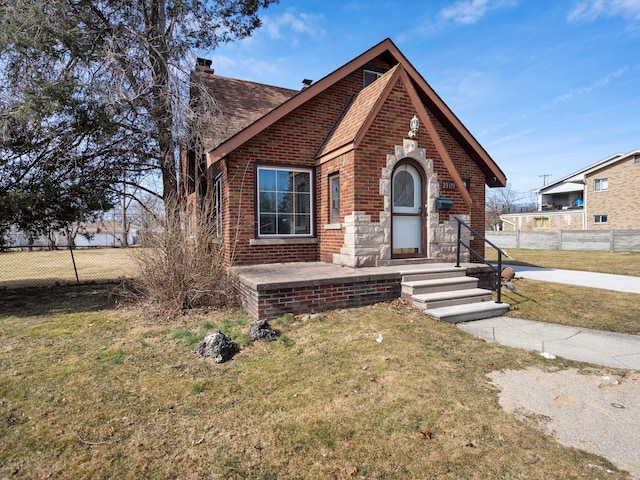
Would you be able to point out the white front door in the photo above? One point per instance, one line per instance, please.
(407, 219)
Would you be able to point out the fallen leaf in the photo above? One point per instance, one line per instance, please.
(470, 444)
(354, 472)
(426, 434)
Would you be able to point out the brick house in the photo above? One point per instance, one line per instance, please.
(601, 196)
(330, 173)
(365, 168)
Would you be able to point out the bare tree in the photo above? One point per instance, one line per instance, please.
(499, 201)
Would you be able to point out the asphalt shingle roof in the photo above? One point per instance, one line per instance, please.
(356, 114)
(241, 103)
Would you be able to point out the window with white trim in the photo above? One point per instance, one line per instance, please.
(285, 199)
(217, 203)
(600, 219)
(334, 198)
(600, 184)
(369, 76)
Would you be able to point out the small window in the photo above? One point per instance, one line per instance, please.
(284, 202)
(334, 198)
(370, 76)
(600, 219)
(217, 203)
(600, 184)
(541, 222)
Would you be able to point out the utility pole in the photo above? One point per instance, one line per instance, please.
(544, 178)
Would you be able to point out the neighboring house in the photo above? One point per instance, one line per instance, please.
(105, 233)
(602, 196)
(330, 173)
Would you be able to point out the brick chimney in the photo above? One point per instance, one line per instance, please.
(204, 65)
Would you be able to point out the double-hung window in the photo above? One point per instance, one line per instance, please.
(285, 197)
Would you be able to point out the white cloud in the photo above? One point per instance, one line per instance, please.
(293, 22)
(467, 12)
(599, 83)
(591, 10)
(510, 137)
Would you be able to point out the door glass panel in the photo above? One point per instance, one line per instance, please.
(406, 190)
(407, 235)
(403, 189)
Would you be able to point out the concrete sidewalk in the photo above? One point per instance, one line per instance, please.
(618, 283)
(581, 344)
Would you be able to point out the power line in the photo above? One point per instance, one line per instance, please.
(544, 177)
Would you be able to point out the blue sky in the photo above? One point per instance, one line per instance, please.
(546, 86)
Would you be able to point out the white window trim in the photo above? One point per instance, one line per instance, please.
(217, 192)
(268, 236)
(600, 216)
(332, 178)
(597, 184)
(372, 72)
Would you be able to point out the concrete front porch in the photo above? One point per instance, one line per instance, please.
(272, 290)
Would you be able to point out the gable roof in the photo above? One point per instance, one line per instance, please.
(421, 91)
(241, 102)
(352, 124)
(579, 175)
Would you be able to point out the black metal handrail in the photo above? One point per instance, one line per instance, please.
(497, 270)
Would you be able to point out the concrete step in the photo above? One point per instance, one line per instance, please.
(454, 297)
(468, 312)
(432, 274)
(405, 261)
(438, 285)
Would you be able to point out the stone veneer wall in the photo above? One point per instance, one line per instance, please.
(368, 243)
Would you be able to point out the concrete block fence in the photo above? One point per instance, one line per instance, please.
(593, 240)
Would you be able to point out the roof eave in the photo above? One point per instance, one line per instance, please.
(495, 177)
(226, 147)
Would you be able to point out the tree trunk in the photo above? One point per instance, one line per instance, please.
(162, 113)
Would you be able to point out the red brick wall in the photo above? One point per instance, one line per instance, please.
(313, 298)
(294, 141)
(467, 169)
(330, 241)
(389, 128)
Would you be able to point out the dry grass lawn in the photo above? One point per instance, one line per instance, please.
(88, 390)
(40, 268)
(575, 306)
(620, 263)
